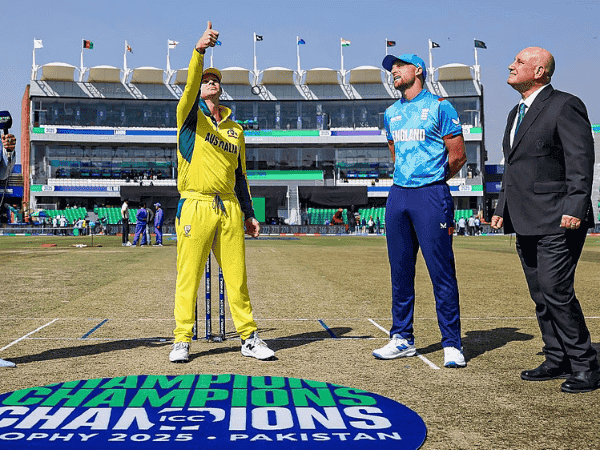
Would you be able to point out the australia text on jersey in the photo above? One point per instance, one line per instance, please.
(224, 145)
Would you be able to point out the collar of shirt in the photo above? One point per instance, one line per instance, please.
(529, 100)
(415, 98)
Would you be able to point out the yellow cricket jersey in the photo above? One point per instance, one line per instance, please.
(211, 156)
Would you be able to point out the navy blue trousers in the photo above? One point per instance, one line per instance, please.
(422, 218)
(140, 228)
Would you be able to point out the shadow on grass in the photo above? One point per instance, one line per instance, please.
(476, 343)
(92, 349)
(281, 343)
(75, 351)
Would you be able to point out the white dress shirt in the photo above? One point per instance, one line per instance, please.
(528, 102)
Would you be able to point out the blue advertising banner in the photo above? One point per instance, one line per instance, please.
(205, 411)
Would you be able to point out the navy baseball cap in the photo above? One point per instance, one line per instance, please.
(409, 58)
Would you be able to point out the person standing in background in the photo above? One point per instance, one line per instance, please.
(125, 223)
(149, 223)
(141, 225)
(159, 218)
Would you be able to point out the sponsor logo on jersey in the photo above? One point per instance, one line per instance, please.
(424, 113)
(456, 121)
(409, 135)
(205, 411)
(232, 134)
(186, 230)
(223, 145)
(395, 119)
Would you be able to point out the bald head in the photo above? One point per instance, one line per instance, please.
(543, 58)
(532, 68)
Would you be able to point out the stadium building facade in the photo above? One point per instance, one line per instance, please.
(310, 135)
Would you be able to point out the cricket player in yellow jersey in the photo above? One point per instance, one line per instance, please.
(215, 203)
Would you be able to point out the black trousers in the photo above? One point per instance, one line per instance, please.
(125, 237)
(549, 263)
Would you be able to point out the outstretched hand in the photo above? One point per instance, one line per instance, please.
(208, 39)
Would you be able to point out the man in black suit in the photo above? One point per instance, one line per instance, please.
(546, 201)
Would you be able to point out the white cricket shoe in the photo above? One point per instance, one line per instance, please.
(180, 352)
(256, 347)
(454, 358)
(396, 348)
(5, 363)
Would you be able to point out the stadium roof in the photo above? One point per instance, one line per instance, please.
(147, 75)
(366, 75)
(321, 75)
(454, 72)
(235, 75)
(181, 77)
(277, 75)
(104, 74)
(57, 71)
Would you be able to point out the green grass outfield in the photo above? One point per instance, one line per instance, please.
(64, 292)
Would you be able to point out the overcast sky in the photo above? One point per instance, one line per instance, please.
(568, 29)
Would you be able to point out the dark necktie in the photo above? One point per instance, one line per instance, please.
(522, 108)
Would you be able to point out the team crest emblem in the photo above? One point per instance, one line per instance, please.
(424, 113)
(231, 133)
(186, 230)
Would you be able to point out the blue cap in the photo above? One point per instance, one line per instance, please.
(157, 204)
(409, 58)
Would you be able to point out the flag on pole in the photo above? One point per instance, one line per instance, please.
(172, 44)
(345, 43)
(88, 44)
(37, 43)
(432, 45)
(257, 38)
(391, 43)
(301, 41)
(479, 44)
(128, 47)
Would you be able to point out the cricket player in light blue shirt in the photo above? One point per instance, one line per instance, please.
(426, 144)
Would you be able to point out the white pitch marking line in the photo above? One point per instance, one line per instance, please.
(28, 334)
(425, 360)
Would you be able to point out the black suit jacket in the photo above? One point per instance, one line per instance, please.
(548, 171)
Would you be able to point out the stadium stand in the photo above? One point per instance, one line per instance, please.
(113, 215)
